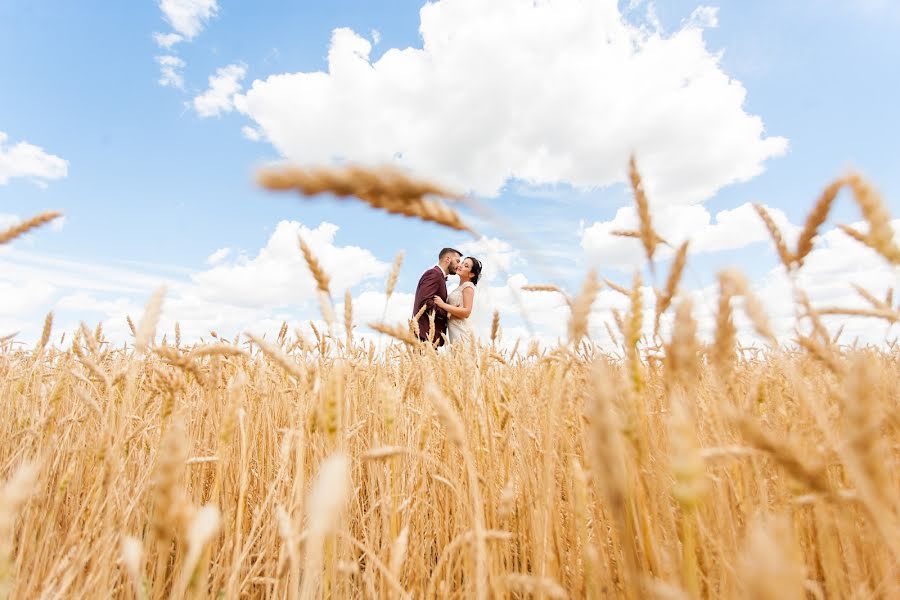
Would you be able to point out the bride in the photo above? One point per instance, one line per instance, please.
(460, 301)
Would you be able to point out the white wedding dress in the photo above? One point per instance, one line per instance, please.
(459, 329)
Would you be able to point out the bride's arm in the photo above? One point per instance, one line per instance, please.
(460, 312)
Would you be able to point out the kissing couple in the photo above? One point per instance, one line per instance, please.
(450, 311)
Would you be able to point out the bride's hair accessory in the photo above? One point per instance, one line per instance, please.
(476, 269)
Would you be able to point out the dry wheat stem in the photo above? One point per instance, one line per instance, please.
(815, 219)
(581, 309)
(649, 238)
(25, 226)
(786, 256)
(381, 188)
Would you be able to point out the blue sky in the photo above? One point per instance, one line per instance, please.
(152, 187)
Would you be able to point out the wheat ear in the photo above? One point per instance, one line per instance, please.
(649, 237)
(26, 226)
(815, 219)
(382, 188)
(881, 234)
(581, 309)
(787, 258)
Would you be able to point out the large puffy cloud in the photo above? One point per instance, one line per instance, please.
(278, 275)
(235, 294)
(541, 91)
(27, 160)
(727, 230)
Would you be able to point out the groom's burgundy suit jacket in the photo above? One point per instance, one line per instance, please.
(431, 284)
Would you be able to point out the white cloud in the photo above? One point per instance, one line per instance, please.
(369, 306)
(218, 256)
(8, 220)
(376, 36)
(83, 302)
(236, 294)
(19, 299)
(278, 275)
(188, 17)
(704, 16)
(728, 230)
(251, 134)
(543, 92)
(166, 40)
(497, 256)
(27, 160)
(170, 71)
(223, 86)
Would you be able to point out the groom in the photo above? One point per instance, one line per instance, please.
(434, 283)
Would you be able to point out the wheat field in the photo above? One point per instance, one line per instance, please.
(329, 466)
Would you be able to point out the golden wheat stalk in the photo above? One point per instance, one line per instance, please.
(815, 219)
(725, 339)
(649, 238)
(398, 332)
(382, 188)
(327, 498)
(14, 493)
(854, 233)
(25, 226)
(631, 233)
(548, 287)
(752, 306)
(581, 309)
(787, 258)
(45, 333)
(619, 288)
(146, 331)
(217, 350)
(682, 353)
(881, 233)
(348, 316)
(394, 275)
(814, 476)
(315, 268)
(280, 358)
(664, 300)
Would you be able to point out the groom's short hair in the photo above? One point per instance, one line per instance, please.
(446, 251)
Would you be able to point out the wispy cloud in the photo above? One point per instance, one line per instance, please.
(219, 97)
(187, 18)
(170, 71)
(27, 160)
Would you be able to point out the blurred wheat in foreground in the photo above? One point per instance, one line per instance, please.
(302, 469)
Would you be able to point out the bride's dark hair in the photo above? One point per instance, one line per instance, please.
(476, 269)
